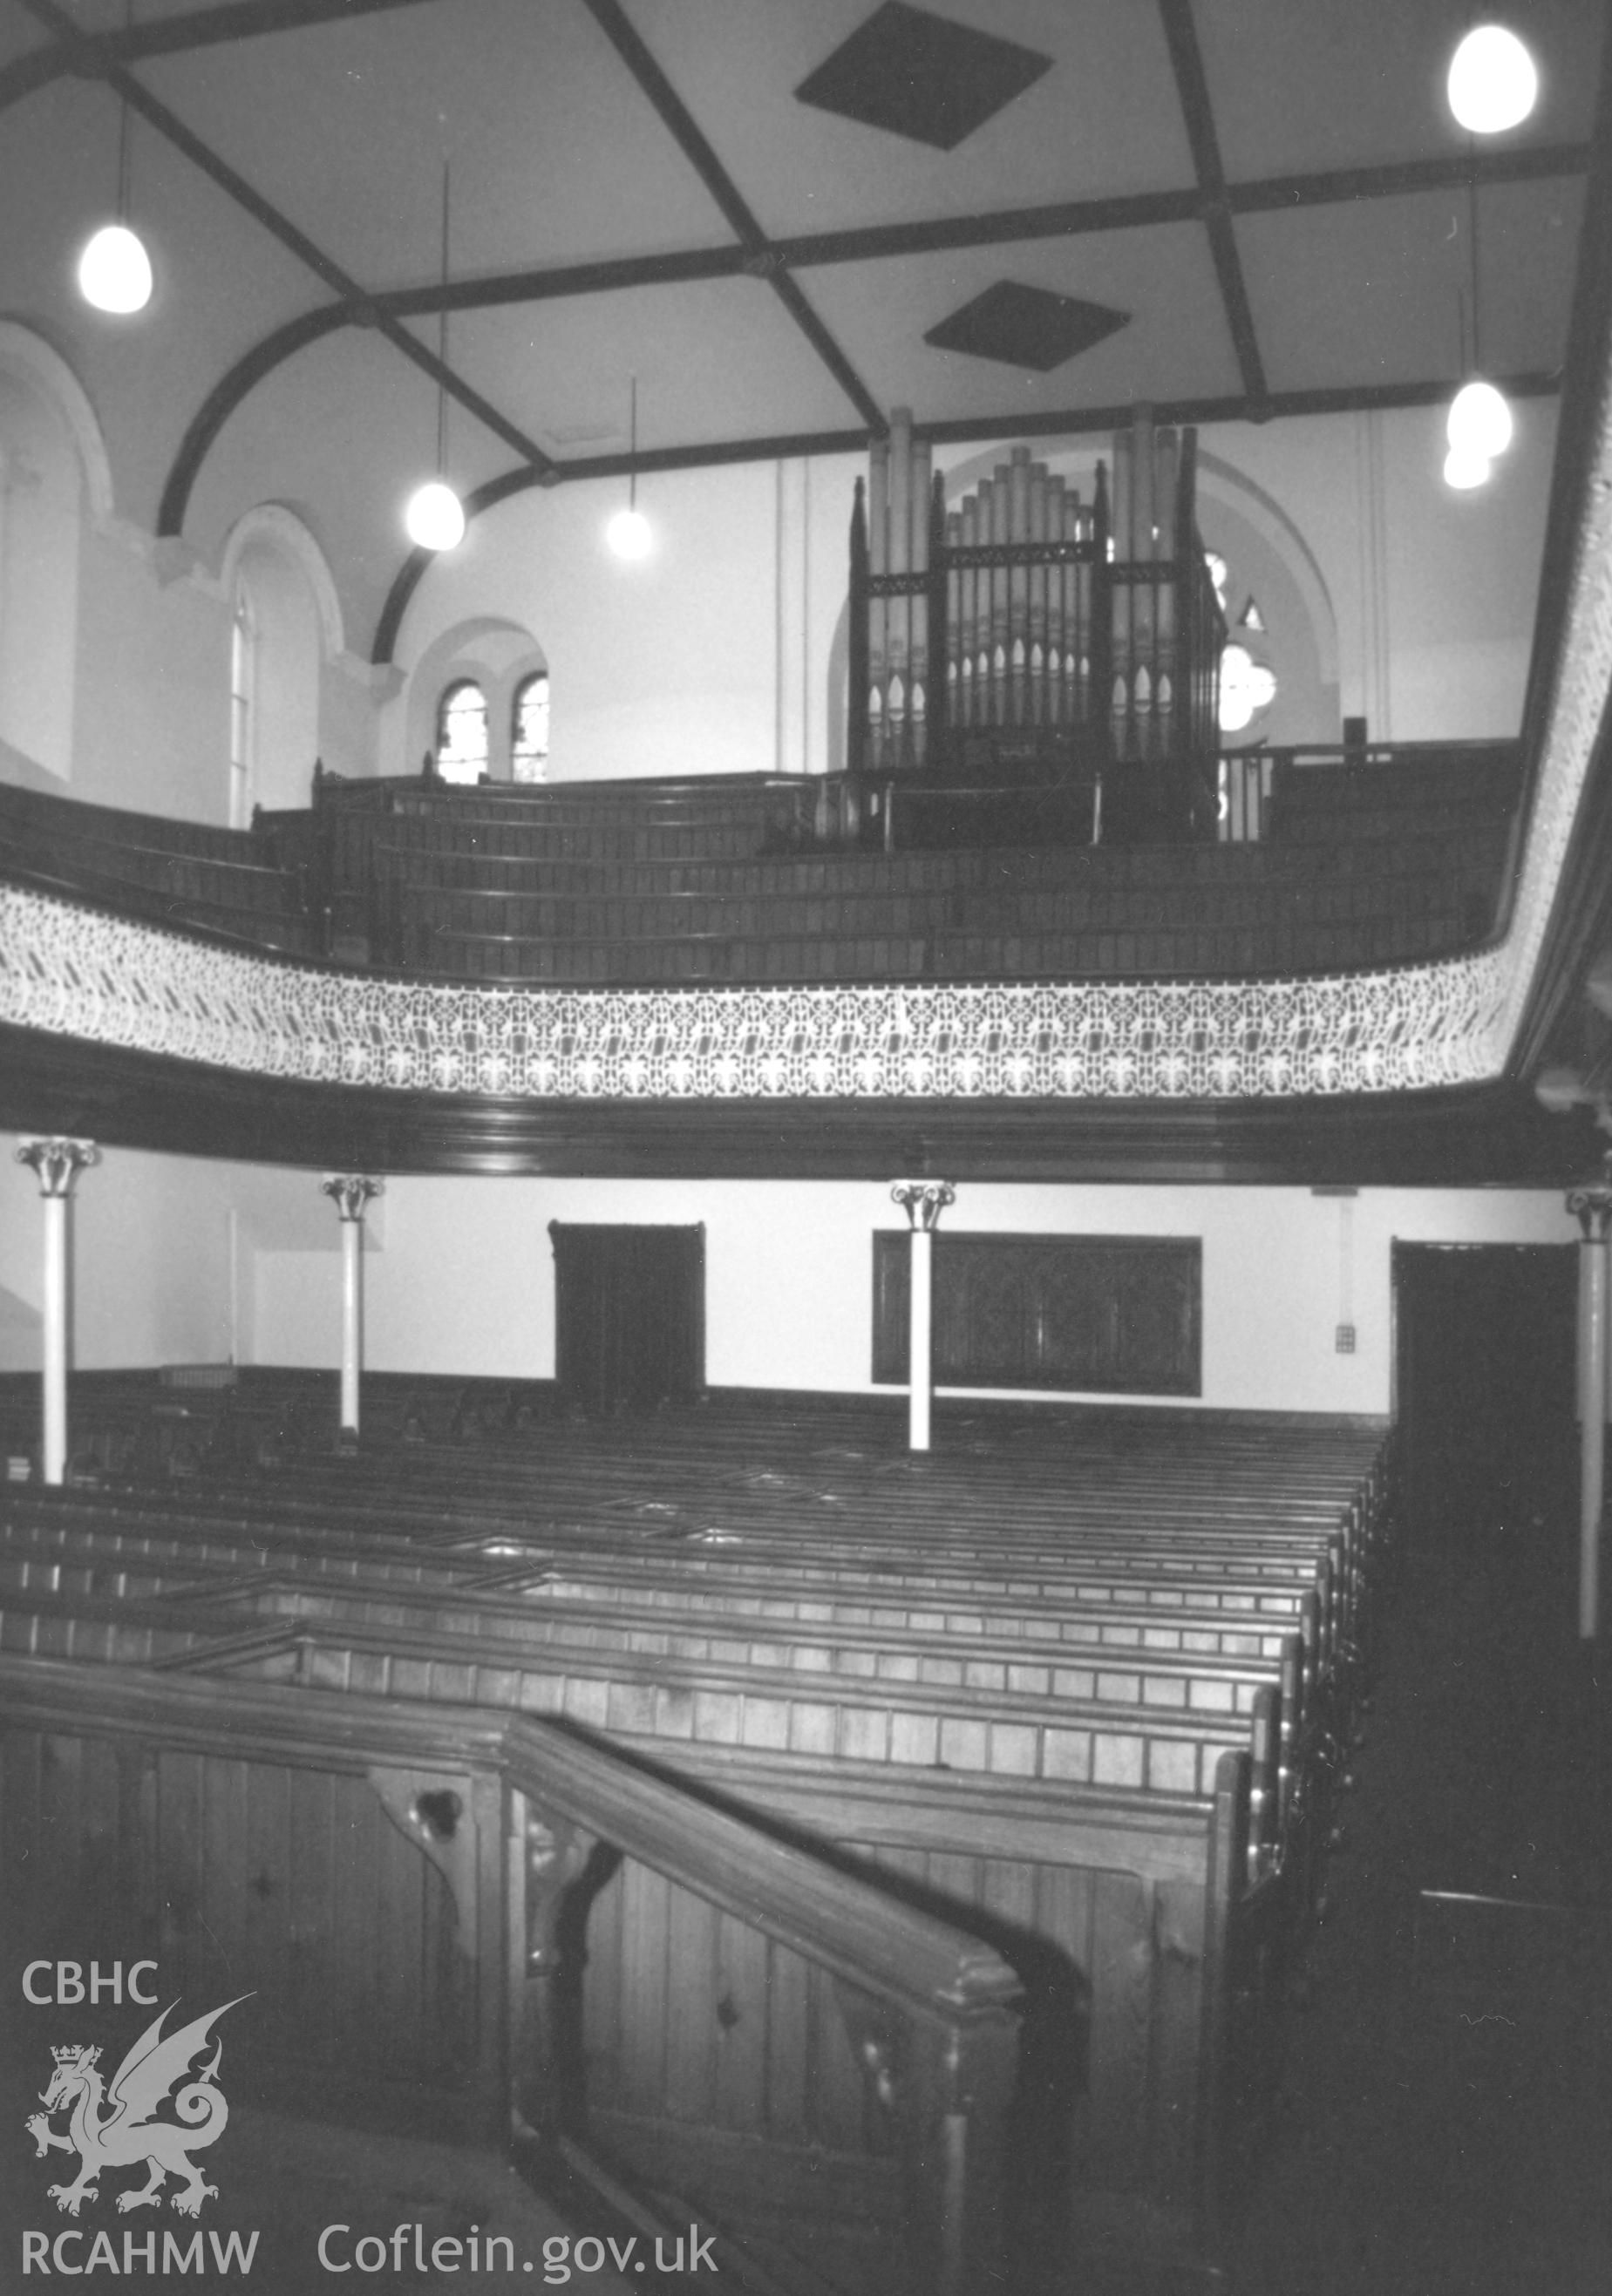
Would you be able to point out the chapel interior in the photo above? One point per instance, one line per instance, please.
(805, 976)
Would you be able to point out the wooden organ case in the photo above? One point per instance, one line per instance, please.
(1026, 652)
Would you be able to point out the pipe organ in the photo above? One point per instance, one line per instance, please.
(1019, 554)
(1024, 635)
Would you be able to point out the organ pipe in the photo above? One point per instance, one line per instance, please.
(878, 610)
(899, 561)
(1025, 607)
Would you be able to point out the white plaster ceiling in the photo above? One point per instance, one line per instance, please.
(560, 156)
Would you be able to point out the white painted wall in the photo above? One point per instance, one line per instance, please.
(115, 649)
(1433, 591)
(459, 1273)
(148, 1237)
(465, 1282)
(666, 666)
(176, 1260)
(724, 651)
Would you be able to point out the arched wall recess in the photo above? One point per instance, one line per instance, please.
(279, 528)
(1219, 482)
(55, 480)
(29, 357)
(498, 656)
(287, 625)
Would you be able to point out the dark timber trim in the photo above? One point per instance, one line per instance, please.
(1581, 917)
(686, 132)
(296, 242)
(1192, 88)
(1478, 1136)
(174, 35)
(871, 244)
(1065, 423)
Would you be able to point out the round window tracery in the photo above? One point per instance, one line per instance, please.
(1248, 683)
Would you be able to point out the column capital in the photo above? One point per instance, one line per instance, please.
(57, 1162)
(924, 1201)
(1592, 1207)
(350, 1193)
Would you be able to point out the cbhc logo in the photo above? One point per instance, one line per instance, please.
(69, 1986)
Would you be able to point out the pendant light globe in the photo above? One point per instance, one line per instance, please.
(1480, 420)
(435, 517)
(1493, 81)
(629, 533)
(115, 271)
(1465, 468)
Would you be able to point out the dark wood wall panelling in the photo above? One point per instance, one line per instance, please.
(1102, 1314)
(1459, 1136)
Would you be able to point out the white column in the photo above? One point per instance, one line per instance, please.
(56, 1164)
(350, 1193)
(1592, 1207)
(923, 1202)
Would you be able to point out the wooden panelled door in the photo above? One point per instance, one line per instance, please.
(1486, 1354)
(630, 1316)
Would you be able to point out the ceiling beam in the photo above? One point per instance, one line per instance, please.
(1398, 179)
(1192, 89)
(761, 257)
(1001, 226)
(1063, 422)
(870, 243)
(93, 53)
(297, 242)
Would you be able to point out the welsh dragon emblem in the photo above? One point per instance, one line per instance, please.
(115, 2126)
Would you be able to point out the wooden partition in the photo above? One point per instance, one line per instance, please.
(406, 1889)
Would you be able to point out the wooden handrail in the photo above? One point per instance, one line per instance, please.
(931, 2011)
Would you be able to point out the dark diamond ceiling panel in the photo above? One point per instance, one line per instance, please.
(921, 76)
(1025, 326)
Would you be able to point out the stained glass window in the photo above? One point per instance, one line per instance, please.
(528, 734)
(1247, 685)
(462, 733)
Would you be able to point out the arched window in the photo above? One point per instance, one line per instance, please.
(529, 729)
(462, 733)
(242, 711)
(280, 637)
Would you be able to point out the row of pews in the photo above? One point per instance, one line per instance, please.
(578, 885)
(1077, 1686)
(174, 873)
(740, 880)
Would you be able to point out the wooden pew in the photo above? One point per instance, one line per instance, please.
(1201, 1917)
(1093, 1872)
(141, 1801)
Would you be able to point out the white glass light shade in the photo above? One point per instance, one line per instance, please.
(435, 517)
(1492, 81)
(1479, 420)
(114, 271)
(1465, 468)
(629, 534)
